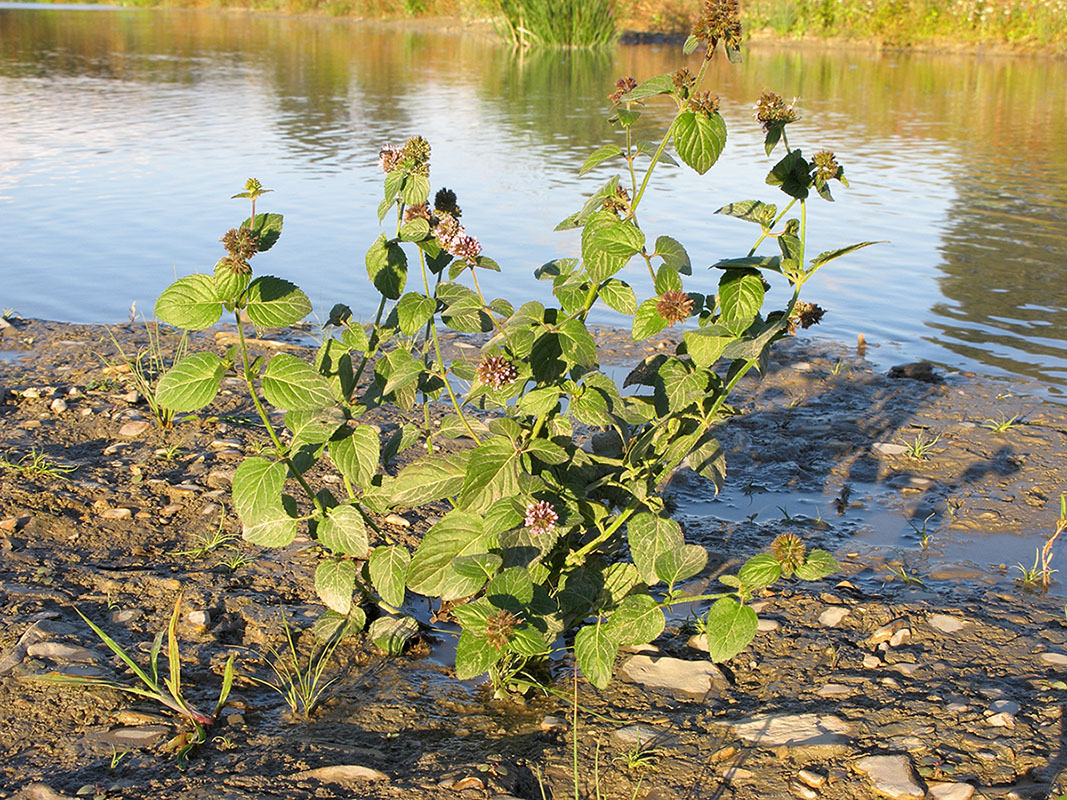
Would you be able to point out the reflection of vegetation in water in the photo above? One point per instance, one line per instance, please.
(556, 23)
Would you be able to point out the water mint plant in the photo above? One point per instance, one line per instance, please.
(546, 478)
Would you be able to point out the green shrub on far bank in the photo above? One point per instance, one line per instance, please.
(555, 23)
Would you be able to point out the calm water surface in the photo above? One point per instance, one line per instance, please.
(123, 134)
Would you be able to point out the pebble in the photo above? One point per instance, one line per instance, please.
(834, 690)
(812, 778)
(552, 723)
(642, 735)
(200, 619)
(888, 631)
(1005, 706)
(891, 776)
(31, 394)
(910, 482)
(803, 366)
(767, 625)
(343, 773)
(134, 428)
(58, 406)
(689, 677)
(951, 791)
(872, 661)
(793, 730)
(116, 513)
(61, 651)
(946, 623)
(724, 753)
(42, 791)
(1053, 659)
(1001, 720)
(170, 510)
(802, 791)
(470, 782)
(139, 734)
(737, 774)
(396, 519)
(132, 397)
(889, 448)
(832, 617)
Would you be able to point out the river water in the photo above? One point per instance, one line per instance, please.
(123, 134)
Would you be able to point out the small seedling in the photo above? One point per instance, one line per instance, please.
(839, 367)
(920, 530)
(168, 454)
(237, 560)
(919, 447)
(146, 366)
(168, 692)
(299, 684)
(639, 758)
(901, 573)
(35, 464)
(117, 756)
(1031, 577)
(224, 743)
(205, 544)
(1002, 424)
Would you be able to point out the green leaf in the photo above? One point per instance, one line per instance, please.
(272, 527)
(660, 84)
(274, 303)
(430, 480)
(492, 473)
(618, 296)
(708, 460)
(759, 262)
(595, 653)
(600, 264)
(344, 532)
(626, 116)
(387, 267)
(391, 634)
(414, 230)
(667, 280)
(647, 321)
(268, 228)
(191, 383)
(759, 572)
(680, 563)
(548, 452)
(228, 284)
(637, 620)
(334, 583)
(577, 343)
(690, 45)
(818, 564)
(761, 213)
(458, 533)
(416, 189)
(651, 148)
(474, 655)
(830, 255)
(190, 303)
(674, 255)
(740, 297)
(257, 485)
(315, 426)
(333, 626)
(479, 566)
(699, 140)
(388, 569)
(356, 453)
(293, 385)
(650, 537)
(599, 156)
(413, 311)
(705, 345)
(792, 174)
(730, 627)
(620, 240)
(539, 401)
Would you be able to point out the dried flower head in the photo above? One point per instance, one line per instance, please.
(236, 266)
(620, 201)
(804, 315)
(499, 627)
(497, 371)
(704, 103)
(541, 518)
(419, 211)
(389, 158)
(622, 86)
(772, 111)
(719, 20)
(444, 202)
(826, 166)
(684, 80)
(240, 243)
(788, 550)
(674, 306)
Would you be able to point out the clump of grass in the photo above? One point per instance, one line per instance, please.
(146, 365)
(556, 23)
(1040, 574)
(300, 683)
(1002, 424)
(919, 447)
(35, 464)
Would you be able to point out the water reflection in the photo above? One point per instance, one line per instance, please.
(133, 127)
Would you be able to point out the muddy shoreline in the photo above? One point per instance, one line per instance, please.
(919, 670)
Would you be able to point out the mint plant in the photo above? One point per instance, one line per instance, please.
(554, 532)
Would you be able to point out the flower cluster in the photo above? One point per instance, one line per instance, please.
(413, 157)
(541, 518)
(719, 20)
(618, 202)
(444, 202)
(805, 315)
(389, 158)
(455, 239)
(788, 550)
(623, 86)
(684, 80)
(772, 111)
(704, 103)
(499, 627)
(497, 371)
(418, 211)
(241, 243)
(674, 306)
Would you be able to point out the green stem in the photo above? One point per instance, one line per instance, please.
(767, 232)
(578, 556)
(696, 598)
(372, 346)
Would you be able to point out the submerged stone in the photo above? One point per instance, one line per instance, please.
(663, 672)
(891, 776)
(793, 730)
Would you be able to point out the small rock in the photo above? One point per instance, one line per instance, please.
(803, 366)
(220, 478)
(768, 625)
(892, 776)
(802, 791)
(116, 513)
(910, 482)
(946, 623)
(724, 753)
(1004, 706)
(169, 510)
(138, 735)
(889, 448)
(199, 619)
(887, 631)
(465, 784)
(951, 791)
(1053, 659)
(58, 651)
(41, 791)
(916, 371)
(832, 617)
(812, 778)
(226, 444)
(74, 393)
(134, 428)
(872, 661)
(1001, 720)
(690, 677)
(343, 773)
(552, 723)
(58, 406)
(904, 668)
(641, 735)
(736, 775)
(793, 730)
(399, 521)
(834, 690)
(31, 394)
(132, 397)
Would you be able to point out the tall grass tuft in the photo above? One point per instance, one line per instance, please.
(556, 23)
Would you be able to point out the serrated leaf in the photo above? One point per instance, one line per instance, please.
(595, 653)
(430, 480)
(190, 303)
(414, 230)
(667, 280)
(705, 345)
(257, 485)
(618, 296)
(416, 189)
(315, 426)
(730, 627)
(332, 626)
(387, 267)
(275, 303)
(699, 140)
(759, 572)
(539, 401)
(492, 473)
(294, 385)
(599, 156)
(830, 255)
(740, 298)
(649, 537)
(817, 565)
(334, 583)
(577, 343)
(478, 566)
(268, 227)
(413, 311)
(690, 45)
(599, 264)
(674, 255)
(356, 453)
(344, 532)
(647, 320)
(388, 569)
(270, 528)
(191, 383)
(680, 563)
(548, 452)
(637, 620)
(660, 84)
(620, 240)
(650, 149)
(759, 262)
(792, 174)
(761, 213)
(430, 573)
(474, 655)
(391, 634)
